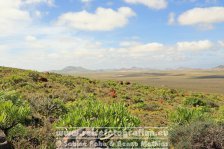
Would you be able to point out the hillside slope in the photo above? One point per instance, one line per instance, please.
(42, 90)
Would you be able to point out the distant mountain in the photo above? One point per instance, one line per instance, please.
(72, 70)
(78, 69)
(129, 69)
(187, 68)
(220, 67)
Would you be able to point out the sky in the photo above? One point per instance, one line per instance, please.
(109, 34)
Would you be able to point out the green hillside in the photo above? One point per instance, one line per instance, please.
(42, 101)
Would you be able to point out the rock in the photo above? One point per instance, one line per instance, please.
(127, 98)
(92, 82)
(42, 79)
(127, 83)
(121, 83)
(4, 144)
(2, 137)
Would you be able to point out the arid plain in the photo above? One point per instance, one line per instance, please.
(206, 81)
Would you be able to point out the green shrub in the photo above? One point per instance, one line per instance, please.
(17, 132)
(186, 115)
(34, 76)
(148, 107)
(194, 101)
(138, 100)
(13, 110)
(92, 113)
(109, 84)
(165, 93)
(50, 107)
(13, 80)
(220, 114)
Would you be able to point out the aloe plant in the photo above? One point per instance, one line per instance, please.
(186, 115)
(13, 110)
(93, 113)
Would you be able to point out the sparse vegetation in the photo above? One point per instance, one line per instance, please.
(33, 104)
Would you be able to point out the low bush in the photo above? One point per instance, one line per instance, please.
(50, 107)
(165, 93)
(138, 100)
(187, 115)
(12, 81)
(194, 101)
(34, 76)
(220, 114)
(148, 107)
(198, 135)
(93, 113)
(13, 109)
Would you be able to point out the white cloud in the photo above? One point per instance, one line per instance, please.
(221, 43)
(205, 27)
(13, 13)
(57, 50)
(86, 1)
(149, 47)
(144, 49)
(128, 43)
(53, 51)
(171, 18)
(30, 38)
(155, 4)
(200, 1)
(38, 14)
(135, 49)
(3, 48)
(102, 20)
(179, 46)
(202, 17)
(48, 2)
(194, 45)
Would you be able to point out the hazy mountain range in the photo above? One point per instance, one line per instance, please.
(79, 69)
(220, 67)
(72, 69)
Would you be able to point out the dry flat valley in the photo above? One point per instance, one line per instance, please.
(206, 81)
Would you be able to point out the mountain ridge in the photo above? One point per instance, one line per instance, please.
(219, 67)
(72, 69)
(80, 69)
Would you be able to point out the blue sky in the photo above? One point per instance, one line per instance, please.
(99, 34)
